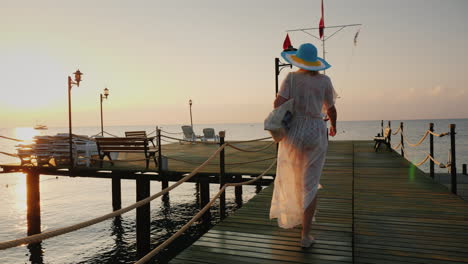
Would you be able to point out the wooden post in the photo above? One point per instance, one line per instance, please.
(431, 150)
(390, 135)
(381, 127)
(33, 199)
(116, 192)
(238, 191)
(222, 179)
(258, 187)
(205, 197)
(143, 215)
(36, 253)
(402, 141)
(453, 163)
(464, 170)
(164, 181)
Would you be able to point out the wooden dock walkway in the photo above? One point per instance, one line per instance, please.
(375, 208)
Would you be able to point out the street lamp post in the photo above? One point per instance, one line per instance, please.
(102, 97)
(278, 67)
(191, 122)
(70, 84)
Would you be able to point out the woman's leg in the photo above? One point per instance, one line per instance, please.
(307, 218)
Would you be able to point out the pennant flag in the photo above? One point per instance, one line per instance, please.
(287, 42)
(322, 23)
(356, 36)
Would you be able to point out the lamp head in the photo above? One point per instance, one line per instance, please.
(78, 77)
(106, 92)
(190, 102)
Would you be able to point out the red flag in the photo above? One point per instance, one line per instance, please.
(287, 42)
(322, 23)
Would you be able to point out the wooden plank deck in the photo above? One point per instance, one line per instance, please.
(400, 216)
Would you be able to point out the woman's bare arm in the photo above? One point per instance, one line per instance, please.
(279, 101)
(331, 112)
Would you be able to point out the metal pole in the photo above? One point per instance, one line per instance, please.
(70, 123)
(453, 163)
(102, 123)
(276, 75)
(402, 142)
(390, 134)
(323, 44)
(431, 150)
(277, 72)
(191, 122)
(222, 168)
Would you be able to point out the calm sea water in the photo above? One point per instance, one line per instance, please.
(66, 201)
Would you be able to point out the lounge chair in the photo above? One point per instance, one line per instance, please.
(189, 135)
(209, 134)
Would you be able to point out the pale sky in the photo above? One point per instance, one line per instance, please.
(409, 63)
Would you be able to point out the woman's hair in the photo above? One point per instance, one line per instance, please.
(310, 72)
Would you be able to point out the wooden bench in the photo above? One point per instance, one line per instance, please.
(139, 134)
(385, 139)
(125, 144)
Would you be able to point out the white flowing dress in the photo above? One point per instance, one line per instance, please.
(301, 154)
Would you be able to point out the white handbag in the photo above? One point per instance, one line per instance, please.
(275, 121)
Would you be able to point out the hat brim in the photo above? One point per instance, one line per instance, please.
(319, 65)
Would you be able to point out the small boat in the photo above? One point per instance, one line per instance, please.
(40, 127)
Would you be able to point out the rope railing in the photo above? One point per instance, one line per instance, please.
(184, 161)
(212, 142)
(49, 234)
(252, 140)
(249, 162)
(250, 150)
(14, 139)
(167, 141)
(397, 146)
(121, 160)
(427, 132)
(104, 132)
(396, 132)
(110, 134)
(439, 135)
(429, 157)
(172, 133)
(95, 135)
(163, 245)
(9, 154)
(191, 141)
(419, 142)
(451, 161)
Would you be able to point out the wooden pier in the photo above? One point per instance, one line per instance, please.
(241, 161)
(376, 207)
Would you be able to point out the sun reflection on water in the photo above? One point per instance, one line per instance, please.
(20, 193)
(26, 133)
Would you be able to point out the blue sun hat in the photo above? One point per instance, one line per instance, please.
(305, 58)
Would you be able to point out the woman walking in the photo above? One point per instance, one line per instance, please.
(301, 153)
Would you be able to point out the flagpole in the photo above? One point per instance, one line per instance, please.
(323, 49)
